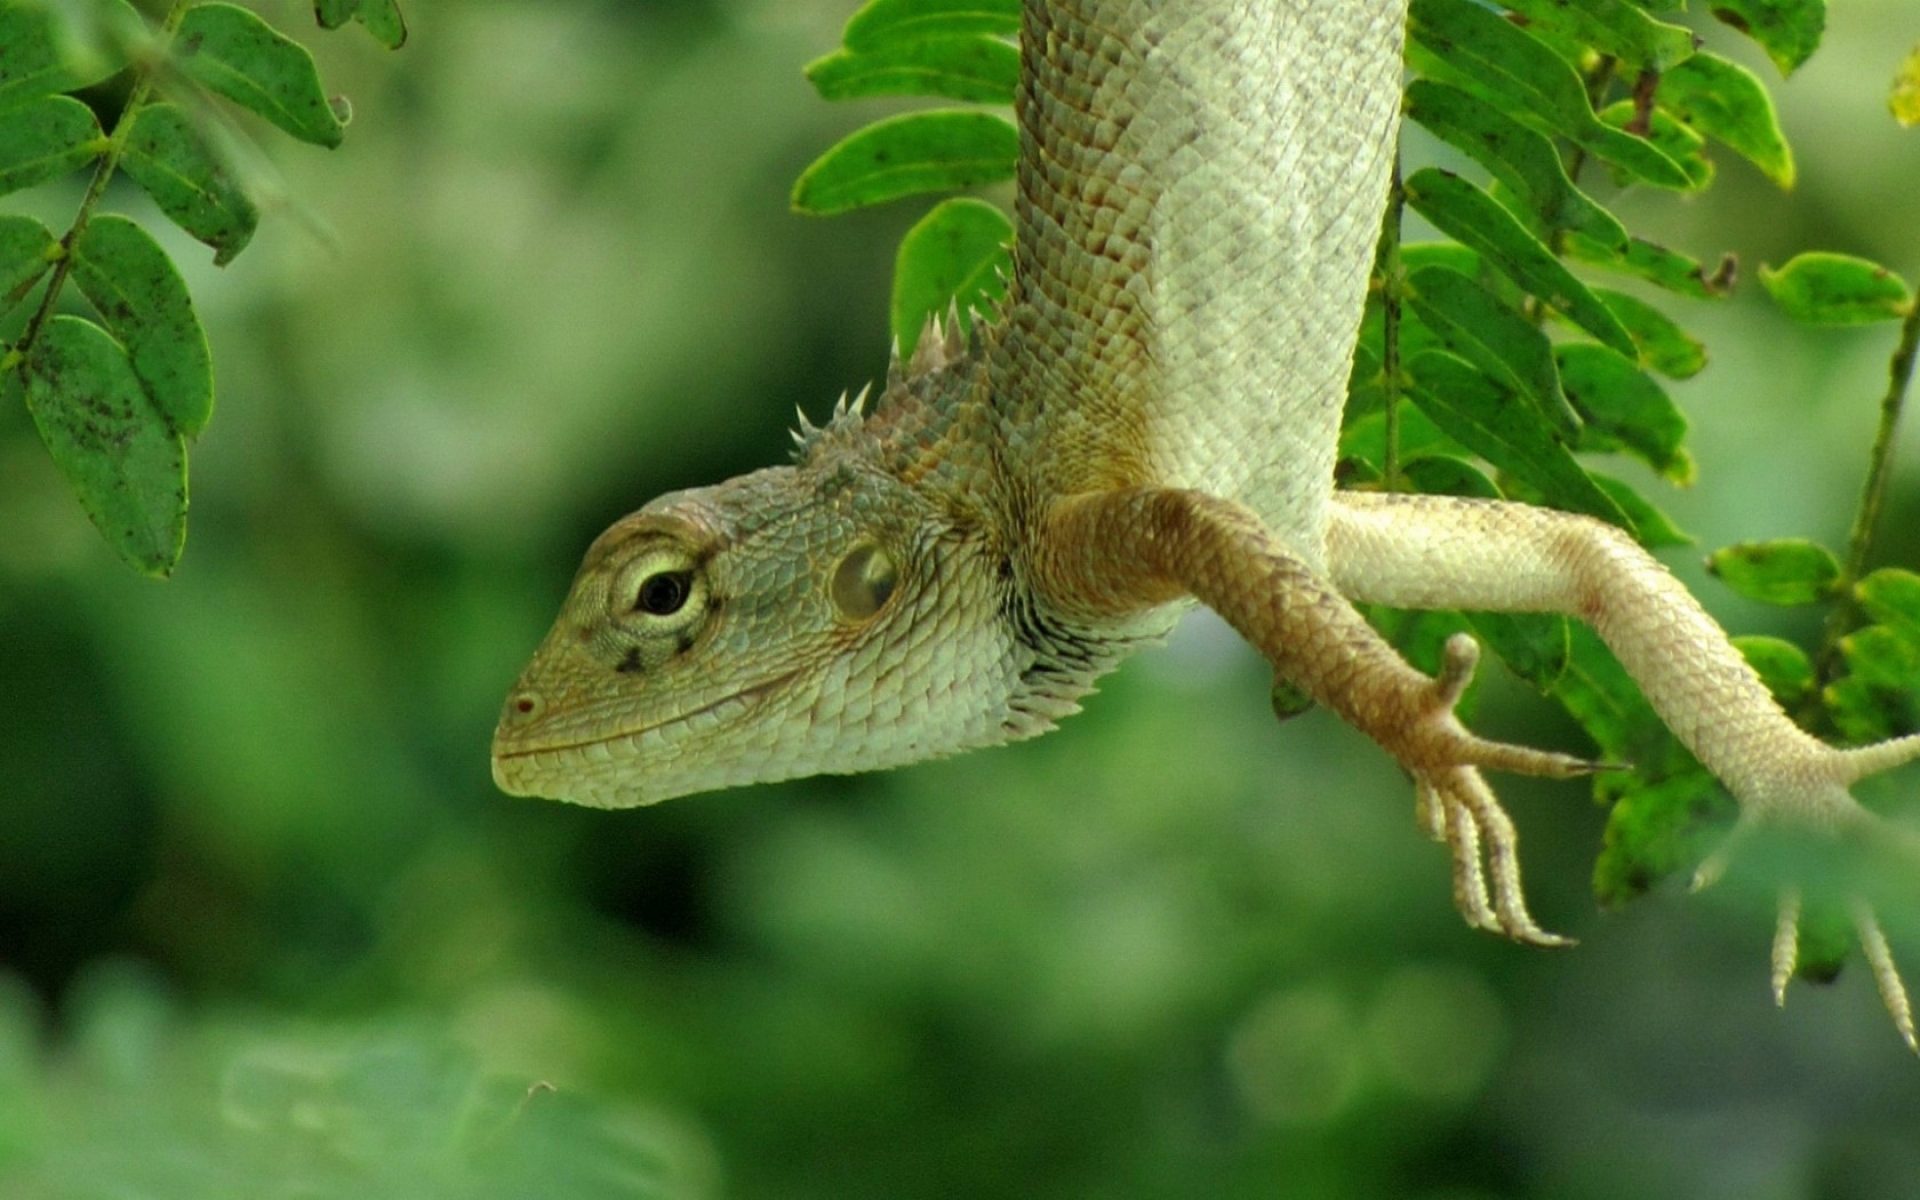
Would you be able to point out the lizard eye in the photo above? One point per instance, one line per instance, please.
(664, 593)
(659, 591)
(863, 581)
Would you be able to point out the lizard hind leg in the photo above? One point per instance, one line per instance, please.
(1109, 554)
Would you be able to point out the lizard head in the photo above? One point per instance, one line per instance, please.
(799, 620)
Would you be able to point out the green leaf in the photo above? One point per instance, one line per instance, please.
(1534, 646)
(381, 17)
(880, 22)
(1881, 657)
(1445, 475)
(128, 467)
(956, 254)
(1365, 439)
(166, 156)
(1892, 597)
(1785, 571)
(129, 280)
(1788, 30)
(916, 152)
(1727, 103)
(1782, 666)
(1663, 345)
(1656, 830)
(1837, 289)
(45, 138)
(1650, 525)
(1859, 712)
(1904, 99)
(1536, 84)
(982, 69)
(236, 54)
(30, 62)
(1612, 27)
(1475, 324)
(1482, 415)
(27, 249)
(1479, 222)
(1517, 156)
(1415, 256)
(1657, 265)
(1677, 141)
(1624, 409)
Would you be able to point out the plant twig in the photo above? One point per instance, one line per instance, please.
(96, 188)
(1866, 518)
(1392, 288)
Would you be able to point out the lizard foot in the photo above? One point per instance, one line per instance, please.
(1832, 812)
(1456, 807)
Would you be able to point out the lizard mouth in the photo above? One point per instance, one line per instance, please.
(505, 752)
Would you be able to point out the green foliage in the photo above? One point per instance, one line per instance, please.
(123, 460)
(1724, 101)
(1784, 571)
(241, 57)
(170, 161)
(955, 255)
(148, 1104)
(1788, 30)
(1535, 97)
(905, 155)
(115, 405)
(1837, 289)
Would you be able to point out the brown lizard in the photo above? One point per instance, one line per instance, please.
(1150, 420)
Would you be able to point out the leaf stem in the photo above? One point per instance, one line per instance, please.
(96, 188)
(1391, 289)
(1866, 518)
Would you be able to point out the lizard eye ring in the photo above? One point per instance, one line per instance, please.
(863, 581)
(661, 589)
(664, 593)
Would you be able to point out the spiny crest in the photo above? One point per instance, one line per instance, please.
(845, 419)
(942, 343)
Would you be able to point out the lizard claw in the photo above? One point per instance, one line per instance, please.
(1836, 816)
(1873, 943)
(1455, 806)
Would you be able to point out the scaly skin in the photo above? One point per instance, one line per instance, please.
(1151, 420)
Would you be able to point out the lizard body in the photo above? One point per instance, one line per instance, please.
(1151, 419)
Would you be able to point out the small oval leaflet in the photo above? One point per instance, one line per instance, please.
(885, 22)
(236, 54)
(958, 253)
(45, 138)
(27, 249)
(128, 467)
(1724, 101)
(1479, 222)
(1837, 289)
(132, 284)
(1784, 571)
(173, 164)
(915, 152)
(980, 69)
(1476, 325)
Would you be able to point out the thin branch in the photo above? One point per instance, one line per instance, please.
(1391, 293)
(1844, 615)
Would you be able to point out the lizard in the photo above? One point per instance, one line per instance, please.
(1149, 420)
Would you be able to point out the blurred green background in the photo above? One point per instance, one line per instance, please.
(268, 930)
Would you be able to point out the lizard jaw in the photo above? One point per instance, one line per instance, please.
(543, 768)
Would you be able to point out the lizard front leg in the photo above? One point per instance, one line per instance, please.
(1110, 554)
(1445, 552)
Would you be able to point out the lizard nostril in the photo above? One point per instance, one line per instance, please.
(527, 704)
